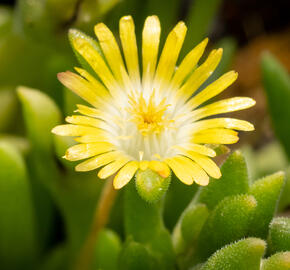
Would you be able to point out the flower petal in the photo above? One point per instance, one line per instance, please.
(74, 130)
(169, 55)
(82, 151)
(206, 163)
(200, 75)
(222, 106)
(113, 55)
(125, 174)
(113, 167)
(96, 61)
(198, 148)
(213, 89)
(98, 161)
(189, 63)
(228, 123)
(150, 45)
(160, 167)
(129, 44)
(216, 136)
(81, 87)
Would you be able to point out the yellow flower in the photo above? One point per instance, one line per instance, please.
(153, 121)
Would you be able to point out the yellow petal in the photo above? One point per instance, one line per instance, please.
(187, 170)
(97, 86)
(80, 86)
(125, 174)
(169, 55)
(229, 123)
(112, 53)
(143, 165)
(84, 121)
(200, 149)
(181, 171)
(102, 137)
(200, 75)
(206, 163)
(82, 151)
(189, 63)
(88, 111)
(129, 44)
(213, 89)
(222, 106)
(150, 45)
(96, 61)
(97, 162)
(216, 136)
(160, 167)
(113, 167)
(73, 130)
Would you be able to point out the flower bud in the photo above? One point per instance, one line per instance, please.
(150, 185)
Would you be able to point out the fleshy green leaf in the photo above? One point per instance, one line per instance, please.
(285, 196)
(242, 255)
(189, 226)
(279, 235)
(279, 261)
(107, 250)
(266, 191)
(18, 142)
(172, 207)
(234, 181)
(135, 256)
(276, 83)
(18, 246)
(40, 116)
(228, 222)
(8, 108)
(56, 259)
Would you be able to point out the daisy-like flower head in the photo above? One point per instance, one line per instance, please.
(149, 115)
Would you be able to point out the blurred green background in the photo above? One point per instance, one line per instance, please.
(45, 207)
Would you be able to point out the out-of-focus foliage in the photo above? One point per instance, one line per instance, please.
(277, 87)
(46, 208)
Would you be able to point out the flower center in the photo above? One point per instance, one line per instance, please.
(149, 116)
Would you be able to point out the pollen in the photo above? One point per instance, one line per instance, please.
(149, 116)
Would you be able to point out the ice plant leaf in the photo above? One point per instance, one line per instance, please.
(18, 245)
(107, 250)
(57, 259)
(285, 196)
(40, 115)
(233, 213)
(187, 230)
(154, 120)
(279, 261)
(276, 83)
(135, 256)
(234, 180)
(279, 235)
(242, 255)
(266, 191)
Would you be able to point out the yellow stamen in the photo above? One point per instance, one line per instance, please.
(149, 116)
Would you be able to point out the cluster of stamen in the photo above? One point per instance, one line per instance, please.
(149, 116)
